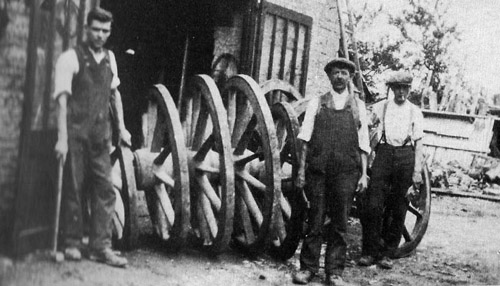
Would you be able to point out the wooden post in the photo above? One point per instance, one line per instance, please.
(184, 68)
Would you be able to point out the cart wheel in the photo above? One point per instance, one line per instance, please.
(292, 203)
(256, 163)
(207, 138)
(417, 219)
(276, 90)
(164, 154)
(125, 220)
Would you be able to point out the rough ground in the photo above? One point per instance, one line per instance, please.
(460, 247)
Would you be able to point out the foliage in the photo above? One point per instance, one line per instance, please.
(417, 39)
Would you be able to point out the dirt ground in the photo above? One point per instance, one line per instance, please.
(460, 247)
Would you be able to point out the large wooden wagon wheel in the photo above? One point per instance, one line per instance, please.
(417, 219)
(162, 167)
(256, 163)
(207, 138)
(125, 218)
(293, 206)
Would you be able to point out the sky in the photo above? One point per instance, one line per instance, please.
(479, 24)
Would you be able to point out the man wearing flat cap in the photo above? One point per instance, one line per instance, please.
(335, 137)
(397, 164)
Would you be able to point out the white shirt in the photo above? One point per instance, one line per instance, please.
(67, 67)
(399, 124)
(339, 100)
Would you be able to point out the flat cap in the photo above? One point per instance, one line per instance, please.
(340, 63)
(400, 78)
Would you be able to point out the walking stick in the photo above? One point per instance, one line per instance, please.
(56, 255)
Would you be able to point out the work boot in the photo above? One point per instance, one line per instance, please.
(385, 263)
(366, 260)
(72, 253)
(303, 277)
(109, 257)
(336, 280)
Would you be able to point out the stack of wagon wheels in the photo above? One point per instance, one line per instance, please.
(220, 168)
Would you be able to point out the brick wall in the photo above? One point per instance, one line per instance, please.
(13, 47)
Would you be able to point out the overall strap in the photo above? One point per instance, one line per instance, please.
(326, 101)
(384, 111)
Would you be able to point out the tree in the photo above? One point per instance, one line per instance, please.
(417, 39)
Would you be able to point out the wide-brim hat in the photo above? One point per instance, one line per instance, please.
(340, 63)
(400, 78)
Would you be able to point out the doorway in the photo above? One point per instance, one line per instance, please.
(149, 40)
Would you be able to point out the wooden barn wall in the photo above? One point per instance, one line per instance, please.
(456, 138)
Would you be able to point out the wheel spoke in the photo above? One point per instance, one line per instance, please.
(165, 203)
(195, 113)
(209, 191)
(160, 159)
(231, 108)
(204, 149)
(250, 202)
(406, 235)
(163, 175)
(281, 134)
(285, 207)
(245, 221)
(254, 182)
(242, 119)
(209, 214)
(201, 128)
(241, 145)
(414, 211)
(149, 123)
(203, 224)
(280, 226)
(186, 121)
(243, 160)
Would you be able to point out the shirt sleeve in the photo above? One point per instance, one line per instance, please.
(308, 123)
(363, 136)
(115, 82)
(66, 67)
(418, 124)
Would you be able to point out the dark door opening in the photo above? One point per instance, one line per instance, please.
(148, 39)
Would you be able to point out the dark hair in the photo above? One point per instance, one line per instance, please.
(99, 15)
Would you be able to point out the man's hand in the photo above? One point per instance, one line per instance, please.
(417, 179)
(362, 184)
(301, 178)
(61, 149)
(125, 137)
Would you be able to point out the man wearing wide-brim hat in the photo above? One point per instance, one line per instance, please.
(397, 165)
(335, 147)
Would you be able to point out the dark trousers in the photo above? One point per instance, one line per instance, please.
(88, 176)
(385, 205)
(330, 194)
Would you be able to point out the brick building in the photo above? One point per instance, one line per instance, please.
(148, 39)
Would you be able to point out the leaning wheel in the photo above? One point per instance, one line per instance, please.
(292, 203)
(162, 167)
(276, 90)
(206, 132)
(417, 219)
(125, 219)
(256, 163)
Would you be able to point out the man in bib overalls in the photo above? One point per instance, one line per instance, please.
(335, 137)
